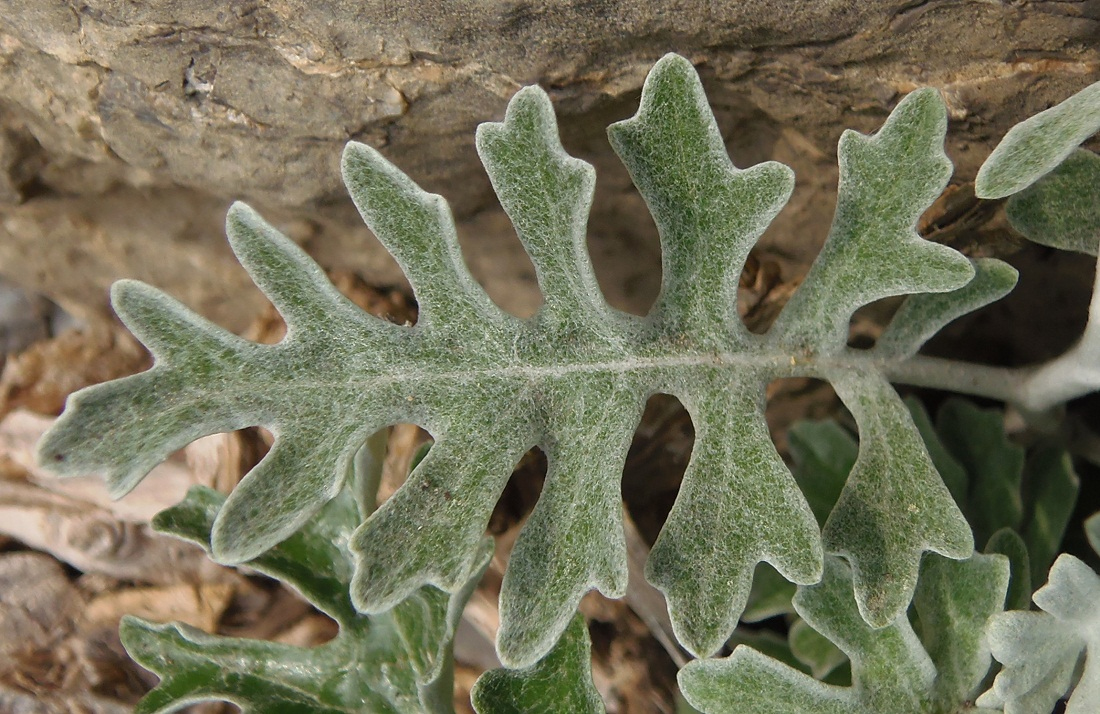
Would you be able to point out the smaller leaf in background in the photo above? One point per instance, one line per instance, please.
(814, 650)
(824, 453)
(1033, 148)
(954, 600)
(1008, 543)
(310, 561)
(560, 682)
(1050, 493)
(769, 643)
(1032, 494)
(398, 662)
(770, 595)
(1042, 651)
(976, 438)
(892, 670)
(953, 473)
(1062, 209)
(257, 676)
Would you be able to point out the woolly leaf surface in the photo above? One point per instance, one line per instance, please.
(396, 663)
(1034, 147)
(892, 669)
(824, 453)
(572, 380)
(894, 505)
(873, 249)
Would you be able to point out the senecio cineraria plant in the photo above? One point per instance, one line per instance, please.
(884, 573)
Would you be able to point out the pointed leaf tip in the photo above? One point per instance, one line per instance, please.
(281, 494)
(923, 315)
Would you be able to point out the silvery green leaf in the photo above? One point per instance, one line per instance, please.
(892, 669)
(749, 682)
(571, 380)
(1062, 209)
(823, 453)
(395, 663)
(1034, 147)
(560, 682)
(1042, 652)
(709, 213)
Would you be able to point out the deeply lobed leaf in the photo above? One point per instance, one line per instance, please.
(572, 380)
(989, 477)
(873, 249)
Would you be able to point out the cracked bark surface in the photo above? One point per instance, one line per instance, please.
(127, 128)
